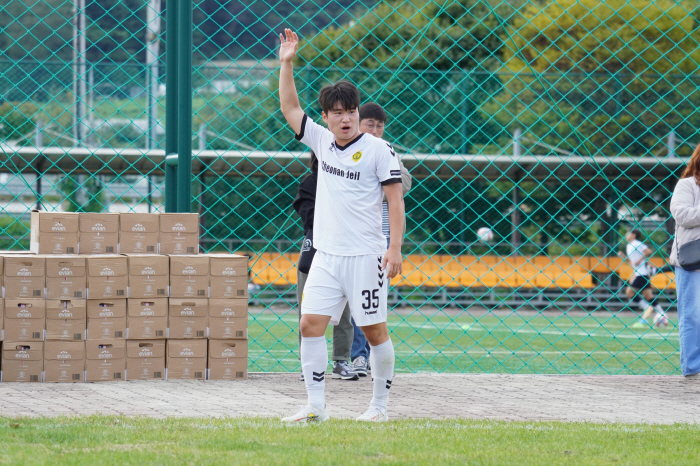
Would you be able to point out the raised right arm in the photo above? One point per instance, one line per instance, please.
(289, 100)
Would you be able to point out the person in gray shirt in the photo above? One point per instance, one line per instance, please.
(373, 121)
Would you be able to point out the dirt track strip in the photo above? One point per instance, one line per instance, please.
(630, 399)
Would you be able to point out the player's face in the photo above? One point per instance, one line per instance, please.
(343, 123)
(630, 237)
(373, 127)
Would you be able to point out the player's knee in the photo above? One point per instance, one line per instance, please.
(310, 328)
(376, 334)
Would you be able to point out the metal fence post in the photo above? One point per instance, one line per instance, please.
(171, 103)
(184, 90)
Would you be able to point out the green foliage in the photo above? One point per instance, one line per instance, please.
(16, 120)
(419, 35)
(601, 77)
(36, 29)
(248, 29)
(428, 63)
(116, 30)
(83, 194)
(14, 233)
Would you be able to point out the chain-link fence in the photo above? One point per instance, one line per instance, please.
(537, 133)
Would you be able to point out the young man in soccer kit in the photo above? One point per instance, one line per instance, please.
(305, 205)
(352, 263)
(639, 287)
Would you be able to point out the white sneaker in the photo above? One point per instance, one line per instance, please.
(660, 320)
(374, 414)
(306, 414)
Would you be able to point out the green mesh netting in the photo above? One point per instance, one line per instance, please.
(556, 126)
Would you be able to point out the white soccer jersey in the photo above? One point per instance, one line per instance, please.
(635, 252)
(348, 216)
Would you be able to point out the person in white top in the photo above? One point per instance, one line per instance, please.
(639, 286)
(352, 263)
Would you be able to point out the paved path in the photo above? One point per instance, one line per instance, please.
(513, 397)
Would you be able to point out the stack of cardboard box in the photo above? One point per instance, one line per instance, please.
(24, 328)
(120, 310)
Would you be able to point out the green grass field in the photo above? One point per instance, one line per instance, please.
(125, 441)
(503, 342)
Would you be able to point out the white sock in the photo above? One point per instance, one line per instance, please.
(659, 309)
(643, 304)
(381, 358)
(314, 361)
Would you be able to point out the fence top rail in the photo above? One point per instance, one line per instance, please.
(110, 161)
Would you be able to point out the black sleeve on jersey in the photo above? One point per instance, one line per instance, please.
(391, 181)
(305, 201)
(299, 136)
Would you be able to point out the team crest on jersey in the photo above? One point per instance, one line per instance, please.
(356, 156)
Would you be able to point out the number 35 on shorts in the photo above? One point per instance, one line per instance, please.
(371, 301)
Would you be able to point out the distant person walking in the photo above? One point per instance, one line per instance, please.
(685, 209)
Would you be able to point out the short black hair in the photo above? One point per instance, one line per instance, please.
(637, 234)
(344, 92)
(374, 111)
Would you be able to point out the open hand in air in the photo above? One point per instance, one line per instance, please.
(288, 45)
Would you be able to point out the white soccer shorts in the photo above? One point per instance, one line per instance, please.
(357, 280)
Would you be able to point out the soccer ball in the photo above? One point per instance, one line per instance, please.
(485, 234)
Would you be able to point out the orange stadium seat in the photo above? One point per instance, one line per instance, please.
(468, 271)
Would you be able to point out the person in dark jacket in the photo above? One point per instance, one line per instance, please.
(304, 203)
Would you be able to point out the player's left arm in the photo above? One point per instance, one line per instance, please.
(392, 258)
(647, 253)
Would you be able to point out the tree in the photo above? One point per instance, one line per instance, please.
(248, 28)
(37, 30)
(428, 63)
(601, 76)
(115, 30)
(83, 194)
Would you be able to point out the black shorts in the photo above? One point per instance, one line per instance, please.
(640, 282)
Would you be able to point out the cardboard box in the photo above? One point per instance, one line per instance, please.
(66, 277)
(179, 233)
(186, 359)
(2, 320)
(54, 233)
(66, 320)
(189, 276)
(105, 360)
(138, 233)
(147, 318)
(106, 319)
(64, 361)
(229, 276)
(188, 318)
(22, 361)
(25, 319)
(25, 276)
(145, 359)
(228, 318)
(149, 276)
(228, 360)
(99, 233)
(107, 277)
